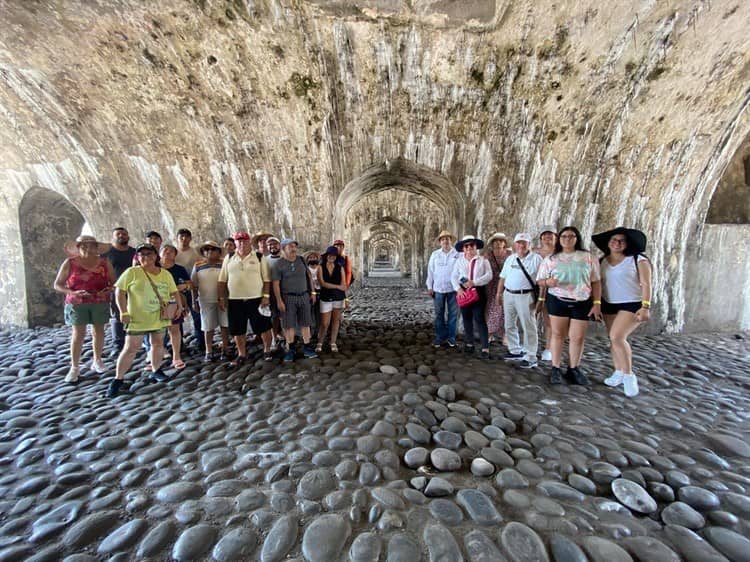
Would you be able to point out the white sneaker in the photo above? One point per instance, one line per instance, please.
(546, 355)
(630, 385)
(98, 366)
(72, 375)
(615, 379)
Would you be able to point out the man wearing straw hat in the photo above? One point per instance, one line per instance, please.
(439, 287)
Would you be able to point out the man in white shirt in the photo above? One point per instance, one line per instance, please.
(517, 289)
(439, 287)
(186, 257)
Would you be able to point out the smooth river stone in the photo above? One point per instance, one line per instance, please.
(123, 537)
(179, 491)
(388, 498)
(650, 549)
(633, 496)
(522, 544)
(511, 478)
(565, 550)
(679, 513)
(582, 484)
(699, 498)
(280, 539)
(418, 433)
(481, 467)
(156, 539)
(445, 460)
(325, 538)
(237, 544)
(441, 545)
(475, 440)
(438, 487)
(498, 457)
(112, 443)
(692, 546)
(481, 548)
(55, 520)
(366, 547)
(448, 439)
(401, 548)
(730, 445)
(603, 550)
(193, 542)
(416, 457)
(315, 484)
(479, 507)
(90, 528)
(446, 512)
(733, 545)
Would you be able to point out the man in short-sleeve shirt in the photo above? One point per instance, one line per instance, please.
(292, 287)
(244, 286)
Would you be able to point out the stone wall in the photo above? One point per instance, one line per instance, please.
(219, 115)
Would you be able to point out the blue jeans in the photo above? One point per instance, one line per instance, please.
(445, 330)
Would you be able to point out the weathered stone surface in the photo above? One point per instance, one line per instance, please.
(441, 545)
(236, 544)
(280, 539)
(193, 542)
(522, 544)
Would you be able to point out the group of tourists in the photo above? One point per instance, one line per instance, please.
(147, 291)
(505, 294)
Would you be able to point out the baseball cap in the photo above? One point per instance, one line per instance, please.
(523, 237)
(287, 241)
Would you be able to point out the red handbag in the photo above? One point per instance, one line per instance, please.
(469, 296)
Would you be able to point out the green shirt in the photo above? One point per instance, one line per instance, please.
(143, 305)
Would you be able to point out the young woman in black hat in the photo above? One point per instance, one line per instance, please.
(626, 297)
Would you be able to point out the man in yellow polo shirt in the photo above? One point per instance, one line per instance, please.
(244, 286)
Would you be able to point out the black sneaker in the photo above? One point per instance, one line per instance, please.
(158, 376)
(223, 358)
(575, 376)
(556, 376)
(451, 343)
(510, 356)
(268, 356)
(208, 359)
(437, 344)
(468, 349)
(528, 364)
(114, 388)
(115, 353)
(485, 356)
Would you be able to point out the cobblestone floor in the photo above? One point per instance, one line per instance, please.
(389, 450)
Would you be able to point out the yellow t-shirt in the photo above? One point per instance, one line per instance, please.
(245, 276)
(143, 305)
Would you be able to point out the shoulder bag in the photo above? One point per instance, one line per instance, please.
(167, 310)
(470, 295)
(534, 286)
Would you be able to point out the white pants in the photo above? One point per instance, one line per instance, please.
(518, 310)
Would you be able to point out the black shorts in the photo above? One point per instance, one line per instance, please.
(577, 310)
(615, 307)
(240, 311)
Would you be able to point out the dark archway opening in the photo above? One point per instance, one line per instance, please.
(47, 220)
(731, 201)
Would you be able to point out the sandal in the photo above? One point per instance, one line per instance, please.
(319, 348)
(334, 348)
(178, 364)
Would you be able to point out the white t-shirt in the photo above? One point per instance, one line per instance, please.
(620, 282)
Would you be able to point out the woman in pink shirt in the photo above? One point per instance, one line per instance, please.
(86, 280)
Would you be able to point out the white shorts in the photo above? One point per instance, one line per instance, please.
(326, 307)
(211, 316)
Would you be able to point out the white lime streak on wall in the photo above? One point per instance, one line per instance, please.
(151, 178)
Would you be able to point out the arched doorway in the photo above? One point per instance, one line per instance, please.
(47, 220)
(718, 270)
(416, 200)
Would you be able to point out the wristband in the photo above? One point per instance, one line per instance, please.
(646, 303)
(597, 302)
(266, 296)
(314, 293)
(540, 299)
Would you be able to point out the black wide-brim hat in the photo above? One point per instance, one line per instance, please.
(470, 238)
(635, 238)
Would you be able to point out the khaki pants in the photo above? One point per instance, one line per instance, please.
(519, 309)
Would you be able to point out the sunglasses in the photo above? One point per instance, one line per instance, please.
(313, 262)
(470, 245)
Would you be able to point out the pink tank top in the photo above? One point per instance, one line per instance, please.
(92, 280)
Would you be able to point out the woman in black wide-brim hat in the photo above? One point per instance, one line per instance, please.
(626, 297)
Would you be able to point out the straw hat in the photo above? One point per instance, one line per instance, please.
(497, 236)
(259, 235)
(71, 246)
(209, 244)
(444, 233)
